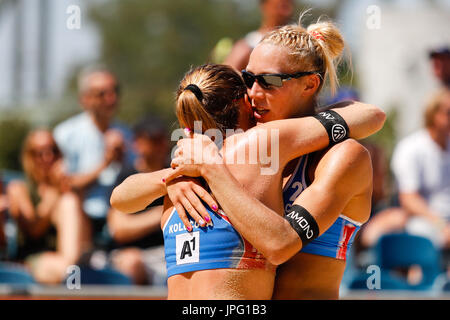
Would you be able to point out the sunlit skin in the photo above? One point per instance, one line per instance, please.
(280, 103)
(304, 275)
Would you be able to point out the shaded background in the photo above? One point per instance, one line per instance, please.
(151, 44)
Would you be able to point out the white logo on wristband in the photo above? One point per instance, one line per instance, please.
(338, 132)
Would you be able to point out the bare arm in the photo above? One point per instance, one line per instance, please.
(35, 221)
(296, 137)
(82, 180)
(127, 228)
(137, 191)
(416, 205)
(305, 135)
(339, 177)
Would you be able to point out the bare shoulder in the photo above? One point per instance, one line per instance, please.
(347, 161)
(347, 153)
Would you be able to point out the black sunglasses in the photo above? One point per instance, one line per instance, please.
(272, 79)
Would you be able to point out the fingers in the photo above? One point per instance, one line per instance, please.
(204, 217)
(178, 152)
(174, 174)
(183, 217)
(206, 197)
(192, 212)
(176, 162)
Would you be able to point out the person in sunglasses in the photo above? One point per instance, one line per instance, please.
(52, 229)
(327, 192)
(210, 259)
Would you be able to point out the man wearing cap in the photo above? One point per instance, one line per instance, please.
(440, 61)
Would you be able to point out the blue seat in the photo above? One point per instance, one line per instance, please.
(103, 276)
(401, 250)
(387, 282)
(446, 286)
(15, 274)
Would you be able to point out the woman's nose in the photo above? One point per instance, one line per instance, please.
(255, 92)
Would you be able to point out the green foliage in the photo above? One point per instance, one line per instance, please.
(151, 44)
(12, 135)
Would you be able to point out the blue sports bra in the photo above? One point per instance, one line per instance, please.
(334, 242)
(215, 246)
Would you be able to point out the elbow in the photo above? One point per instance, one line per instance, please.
(380, 117)
(276, 259)
(114, 200)
(281, 252)
(118, 203)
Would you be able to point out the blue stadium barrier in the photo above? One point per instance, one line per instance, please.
(387, 282)
(103, 276)
(15, 274)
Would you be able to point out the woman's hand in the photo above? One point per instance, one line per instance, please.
(114, 146)
(185, 194)
(192, 155)
(58, 177)
(49, 198)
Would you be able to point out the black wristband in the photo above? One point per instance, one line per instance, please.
(335, 125)
(303, 223)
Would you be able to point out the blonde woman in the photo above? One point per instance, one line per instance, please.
(328, 192)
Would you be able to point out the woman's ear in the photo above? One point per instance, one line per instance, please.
(247, 102)
(312, 84)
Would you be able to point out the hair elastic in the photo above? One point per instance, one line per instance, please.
(316, 35)
(195, 90)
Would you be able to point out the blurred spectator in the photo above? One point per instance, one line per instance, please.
(440, 60)
(151, 145)
(3, 207)
(52, 228)
(421, 164)
(139, 238)
(386, 214)
(343, 94)
(274, 13)
(95, 146)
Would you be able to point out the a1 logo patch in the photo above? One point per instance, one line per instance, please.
(188, 247)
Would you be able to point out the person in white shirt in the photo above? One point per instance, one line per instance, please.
(94, 145)
(421, 165)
